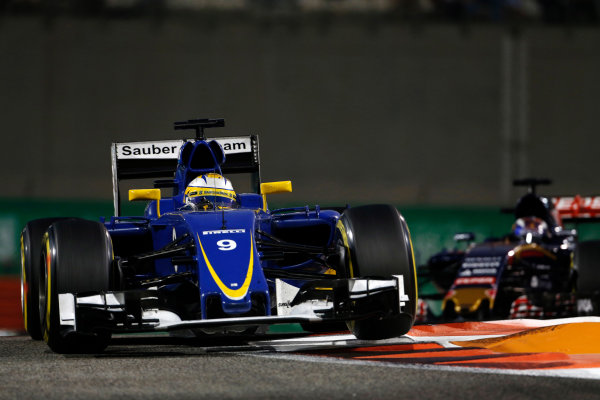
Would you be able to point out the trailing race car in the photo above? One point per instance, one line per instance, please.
(538, 270)
(208, 260)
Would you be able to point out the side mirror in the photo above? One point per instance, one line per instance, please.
(146, 194)
(274, 187)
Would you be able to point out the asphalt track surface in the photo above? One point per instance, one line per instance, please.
(166, 367)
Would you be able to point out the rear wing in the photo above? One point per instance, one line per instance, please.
(577, 208)
(158, 159)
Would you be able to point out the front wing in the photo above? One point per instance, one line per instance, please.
(136, 311)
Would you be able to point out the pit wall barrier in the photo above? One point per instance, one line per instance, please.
(432, 229)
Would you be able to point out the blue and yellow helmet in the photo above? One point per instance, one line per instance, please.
(211, 190)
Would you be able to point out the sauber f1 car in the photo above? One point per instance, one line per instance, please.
(538, 270)
(207, 260)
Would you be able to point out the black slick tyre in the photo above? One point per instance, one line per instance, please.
(77, 257)
(31, 251)
(375, 242)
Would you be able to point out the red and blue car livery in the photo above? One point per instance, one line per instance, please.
(540, 269)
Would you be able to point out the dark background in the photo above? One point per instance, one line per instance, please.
(434, 106)
(399, 104)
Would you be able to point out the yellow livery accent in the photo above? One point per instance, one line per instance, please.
(214, 175)
(146, 194)
(274, 187)
(234, 294)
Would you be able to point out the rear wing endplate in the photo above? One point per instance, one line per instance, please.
(158, 159)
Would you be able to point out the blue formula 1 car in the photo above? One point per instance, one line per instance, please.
(207, 260)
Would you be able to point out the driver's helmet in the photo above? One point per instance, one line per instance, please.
(536, 227)
(210, 191)
(532, 205)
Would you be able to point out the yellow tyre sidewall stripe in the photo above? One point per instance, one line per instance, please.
(340, 226)
(414, 267)
(48, 261)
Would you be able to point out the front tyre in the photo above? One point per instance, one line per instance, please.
(31, 250)
(76, 257)
(375, 242)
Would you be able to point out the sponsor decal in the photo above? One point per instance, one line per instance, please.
(475, 280)
(169, 149)
(482, 262)
(235, 145)
(195, 192)
(479, 271)
(223, 231)
(161, 149)
(480, 266)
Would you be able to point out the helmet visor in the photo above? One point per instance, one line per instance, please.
(211, 198)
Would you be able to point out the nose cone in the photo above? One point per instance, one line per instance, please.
(466, 301)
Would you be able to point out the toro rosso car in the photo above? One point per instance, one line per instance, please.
(538, 270)
(207, 260)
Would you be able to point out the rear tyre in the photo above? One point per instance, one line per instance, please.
(375, 242)
(77, 257)
(31, 250)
